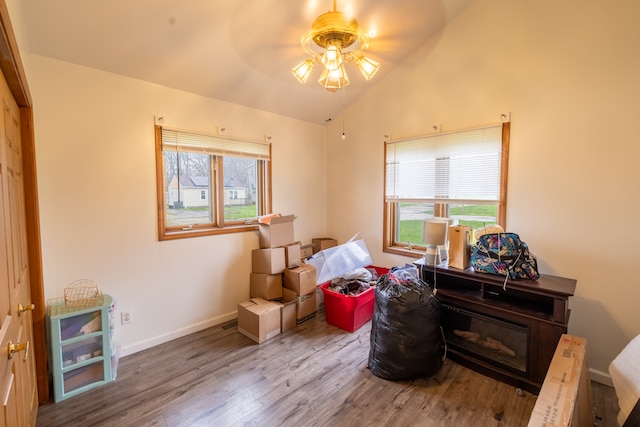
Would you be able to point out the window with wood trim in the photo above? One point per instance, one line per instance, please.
(460, 175)
(210, 184)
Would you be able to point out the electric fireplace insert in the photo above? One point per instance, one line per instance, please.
(505, 344)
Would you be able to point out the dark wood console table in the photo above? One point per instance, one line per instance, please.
(527, 318)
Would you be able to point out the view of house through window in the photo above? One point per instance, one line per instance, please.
(189, 177)
(240, 189)
(458, 175)
(210, 184)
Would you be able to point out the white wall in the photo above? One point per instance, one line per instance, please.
(97, 186)
(568, 74)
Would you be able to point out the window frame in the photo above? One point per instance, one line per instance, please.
(216, 196)
(391, 243)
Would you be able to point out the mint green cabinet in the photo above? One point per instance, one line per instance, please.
(80, 347)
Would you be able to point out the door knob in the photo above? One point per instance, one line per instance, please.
(23, 308)
(13, 348)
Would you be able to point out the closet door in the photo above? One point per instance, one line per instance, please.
(18, 392)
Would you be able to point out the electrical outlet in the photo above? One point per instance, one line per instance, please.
(126, 317)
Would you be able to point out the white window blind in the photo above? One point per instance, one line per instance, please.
(459, 167)
(175, 140)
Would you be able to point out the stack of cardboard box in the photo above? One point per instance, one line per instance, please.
(280, 284)
(300, 284)
(267, 266)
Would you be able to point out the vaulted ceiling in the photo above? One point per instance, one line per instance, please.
(240, 51)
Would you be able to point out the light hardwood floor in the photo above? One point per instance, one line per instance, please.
(313, 375)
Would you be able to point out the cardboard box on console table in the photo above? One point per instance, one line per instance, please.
(460, 246)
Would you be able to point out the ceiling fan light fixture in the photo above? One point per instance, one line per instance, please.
(303, 70)
(368, 67)
(335, 38)
(332, 80)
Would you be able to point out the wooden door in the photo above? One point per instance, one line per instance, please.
(18, 391)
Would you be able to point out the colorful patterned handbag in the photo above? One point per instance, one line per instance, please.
(504, 254)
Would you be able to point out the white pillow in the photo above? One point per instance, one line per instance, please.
(625, 375)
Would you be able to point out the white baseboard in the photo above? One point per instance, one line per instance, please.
(161, 339)
(601, 377)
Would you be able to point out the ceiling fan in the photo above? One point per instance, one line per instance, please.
(334, 39)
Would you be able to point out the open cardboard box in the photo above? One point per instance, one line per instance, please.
(278, 232)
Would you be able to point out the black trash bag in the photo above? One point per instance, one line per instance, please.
(405, 332)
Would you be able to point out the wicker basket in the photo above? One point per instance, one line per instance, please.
(82, 293)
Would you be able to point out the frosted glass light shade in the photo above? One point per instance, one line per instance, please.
(303, 70)
(332, 58)
(368, 67)
(332, 80)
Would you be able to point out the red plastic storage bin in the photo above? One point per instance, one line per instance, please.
(349, 312)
